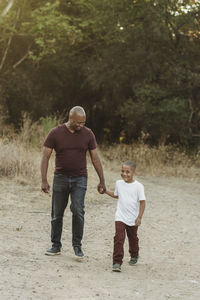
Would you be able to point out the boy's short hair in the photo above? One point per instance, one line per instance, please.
(130, 164)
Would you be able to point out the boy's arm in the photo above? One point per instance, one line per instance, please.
(111, 194)
(141, 211)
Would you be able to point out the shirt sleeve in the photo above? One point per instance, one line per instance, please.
(92, 142)
(116, 190)
(50, 140)
(141, 194)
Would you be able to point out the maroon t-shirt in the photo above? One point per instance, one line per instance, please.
(70, 149)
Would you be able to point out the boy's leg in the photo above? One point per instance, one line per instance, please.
(133, 240)
(119, 238)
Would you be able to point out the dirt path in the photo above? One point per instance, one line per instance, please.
(169, 245)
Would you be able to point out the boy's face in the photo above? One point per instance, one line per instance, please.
(127, 173)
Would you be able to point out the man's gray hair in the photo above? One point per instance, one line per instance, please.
(130, 164)
(77, 110)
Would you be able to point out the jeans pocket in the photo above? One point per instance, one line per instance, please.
(81, 182)
(58, 183)
(58, 187)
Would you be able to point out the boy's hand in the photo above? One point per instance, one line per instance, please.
(138, 221)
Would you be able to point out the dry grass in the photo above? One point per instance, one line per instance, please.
(20, 153)
(156, 161)
(20, 156)
(17, 160)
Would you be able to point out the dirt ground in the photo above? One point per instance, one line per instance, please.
(169, 262)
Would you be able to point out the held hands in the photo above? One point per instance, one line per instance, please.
(138, 221)
(45, 187)
(101, 188)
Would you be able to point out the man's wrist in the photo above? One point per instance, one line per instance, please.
(44, 181)
(102, 182)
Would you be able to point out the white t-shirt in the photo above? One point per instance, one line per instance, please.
(129, 196)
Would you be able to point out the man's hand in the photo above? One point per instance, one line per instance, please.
(101, 188)
(138, 221)
(45, 187)
(44, 167)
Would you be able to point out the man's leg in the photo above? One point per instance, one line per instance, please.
(119, 238)
(133, 240)
(59, 203)
(78, 191)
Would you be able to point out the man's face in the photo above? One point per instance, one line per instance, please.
(127, 173)
(77, 122)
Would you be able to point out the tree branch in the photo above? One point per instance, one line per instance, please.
(191, 114)
(9, 42)
(8, 7)
(21, 60)
(6, 52)
(192, 111)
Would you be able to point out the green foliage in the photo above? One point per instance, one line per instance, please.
(163, 120)
(48, 123)
(133, 65)
(50, 29)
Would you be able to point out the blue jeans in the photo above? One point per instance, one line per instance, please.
(64, 186)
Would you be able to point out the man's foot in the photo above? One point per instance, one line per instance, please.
(78, 251)
(133, 260)
(53, 251)
(116, 268)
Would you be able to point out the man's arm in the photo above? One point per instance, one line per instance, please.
(44, 168)
(98, 167)
(141, 211)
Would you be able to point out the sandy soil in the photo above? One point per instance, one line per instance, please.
(169, 245)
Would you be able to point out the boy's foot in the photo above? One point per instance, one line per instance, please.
(116, 268)
(53, 251)
(133, 261)
(78, 251)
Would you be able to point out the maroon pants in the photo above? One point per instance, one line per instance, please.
(120, 233)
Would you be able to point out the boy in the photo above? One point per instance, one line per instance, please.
(130, 208)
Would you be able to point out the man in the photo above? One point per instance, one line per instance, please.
(70, 142)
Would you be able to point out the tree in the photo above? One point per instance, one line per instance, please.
(133, 65)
